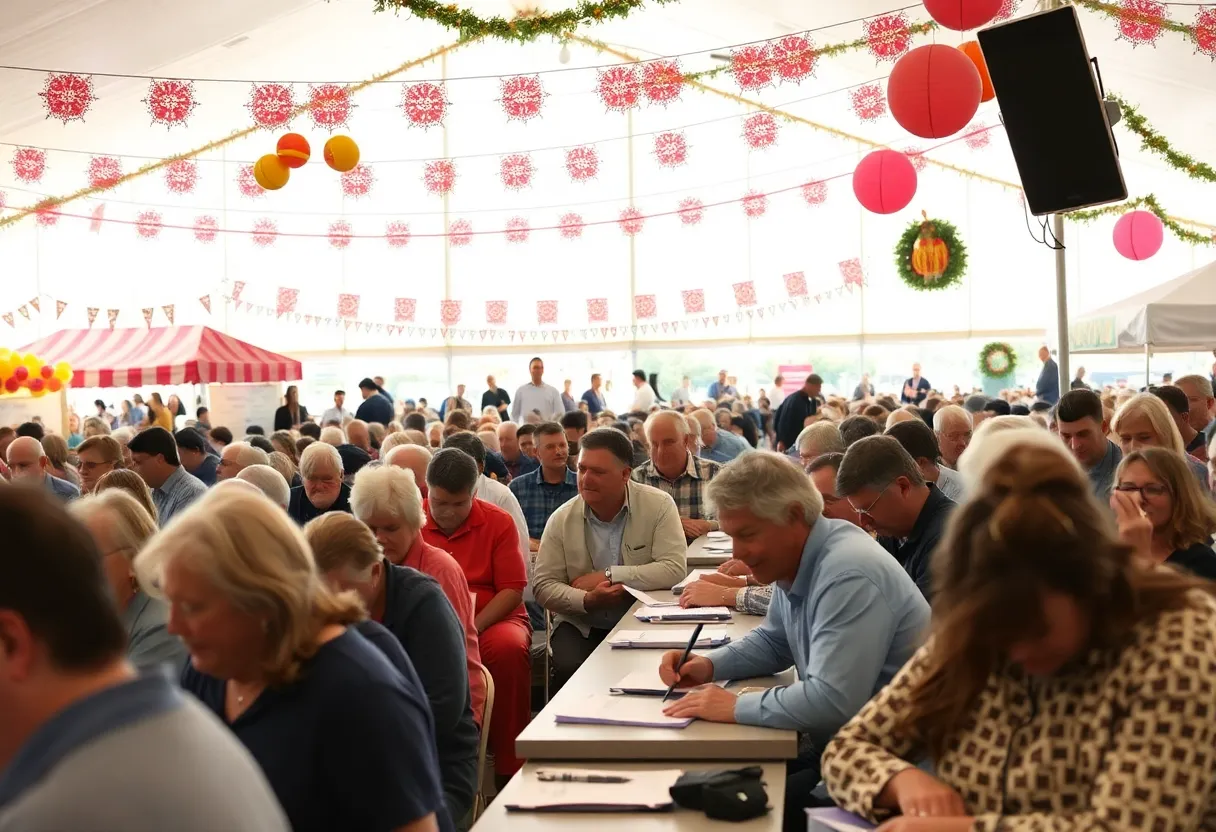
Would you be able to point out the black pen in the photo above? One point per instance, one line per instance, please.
(572, 777)
(696, 634)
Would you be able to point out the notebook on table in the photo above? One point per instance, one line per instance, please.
(648, 791)
(693, 577)
(678, 615)
(668, 638)
(648, 683)
(836, 820)
(604, 709)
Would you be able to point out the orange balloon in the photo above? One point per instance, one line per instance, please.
(972, 50)
(293, 150)
(54, 385)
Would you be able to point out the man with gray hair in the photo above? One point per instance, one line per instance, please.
(886, 488)
(679, 472)
(323, 489)
(843, 613)
(270, 482)
(1202, 410)
(238, 456)
(816, 440)
(952, 424)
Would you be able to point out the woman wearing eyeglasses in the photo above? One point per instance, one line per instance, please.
(1156, 484)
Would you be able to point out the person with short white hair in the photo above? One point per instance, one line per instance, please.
(897, 416)
(323, 489)
(719, 445)
(952, 424)
(392, 441)
(333, 435)
(674, 469)
(270, 482)
(237, 457)
(818, 439)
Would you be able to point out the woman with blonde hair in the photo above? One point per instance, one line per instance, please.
(280, 462)
(1063, 685)
(120, 527)
(1143, 421)
(345, 741)
(95, 426)
(56, 450)
(124, 479)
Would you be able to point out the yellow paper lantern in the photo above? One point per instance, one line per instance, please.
(341, 153)
(63, 372)
(270, 172)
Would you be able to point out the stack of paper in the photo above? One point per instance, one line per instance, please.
(604, 709)
(648, 791)
(693, 577)
(677, 615)
(668, 638)
(648, 683)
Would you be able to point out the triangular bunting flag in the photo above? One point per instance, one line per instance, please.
(238, 286)
(168, 310)
(34, 302)
(93, 310)
(99, 214)
(112, 314)
(24, 310)
(205, 300)
(8, 318)
(60, 305)
(148, 310)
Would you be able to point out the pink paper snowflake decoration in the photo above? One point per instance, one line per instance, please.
(794, 58)
(888, 36)
(67, 96)
(340, 234)
(631, 221)
(357, 182)
(439, 176)
(582, 163)
(977, 137)
(759, 131)
(869, 101)
(815, 193)
(795, 284)
(460, 232)
(1205, 32)
(329, 105)
(29, 164)
(745, 293)
(496, 312)
(1008, 7)
(148, 224)
(181, 176)
(755, 204)
(271, 105)
(104, 171)
(619, 87)
(597, 310)
(546, 311)
(247, 183)
(517, 230)
(46, 215)
(522, 96)
(571, 226)
(691, 210)
(404, 310)
(917, 157)
(425, 104)
(662, 81)
(752, 66)
(170, 102)
(515, 170)
(1141, 21)
(852, 272)
(206, 229)
(348, 306)
(671, 149)
(397, 233)
(694, 301)
(265, 232)
(285, 301)
(449, 312)
(645, 306)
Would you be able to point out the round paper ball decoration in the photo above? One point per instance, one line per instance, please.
(293, 150)
(934, 91)
(884, 181)
(270, 172)
(341, 153)
(972, 50)
(1139, 235)
(962, 15)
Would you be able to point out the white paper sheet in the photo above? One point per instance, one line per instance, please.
(648, 600)
(645, 790)
(693, 577)
(668, 638)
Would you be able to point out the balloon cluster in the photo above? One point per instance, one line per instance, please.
(292, 151)
(32, 373)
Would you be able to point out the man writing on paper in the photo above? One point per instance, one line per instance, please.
(615, 532)
(843, 612)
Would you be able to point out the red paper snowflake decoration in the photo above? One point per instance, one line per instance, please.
(517, 230)
(496, 312)
(181, 176)
(759, 130)
(745, 293)
(148, 224)
(397, 233)
(340, 234)
(755, 204)
(522, 96)
(546, 311)
(1141, 21)
(439, 176)
(265, 232)
(631, 221)
(449, 312)
(597, 310)
(348, 306)
(329, 105)
(404, 310)
(671, 149)
(815, 193)
(516, 171)
(104, 171)
(29, 164)
(67, 96)
(694, 301)
(645, 306)
(1008, 7)
(247, 184)
(571, 226)
(977, 137)
(357, 182)
(460, 232)
(619, 87)
(691, 210)
(662, 81)
(582, 163)
(852, 272)
(45, 214)
(1205, 32)
(271, 105)
(869, 101)
(206, 229)
(170, 102)
(794, 58)
(917, 157)
(795, 284)
(752, 66)
(425, 104)
(888, 36)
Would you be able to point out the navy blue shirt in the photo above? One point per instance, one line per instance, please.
(497, 466)
(206, 470)
(349, 745)
(375, 408)
(301, 510)
(916, 550)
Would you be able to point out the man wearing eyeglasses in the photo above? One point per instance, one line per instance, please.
(953, 427)
(883, 484)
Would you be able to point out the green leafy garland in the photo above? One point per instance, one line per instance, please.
(520, 29)
(991, 351)
(1150, 203)
(1153, 141)
(957, 251)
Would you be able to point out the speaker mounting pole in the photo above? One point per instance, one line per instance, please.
(1057, 229)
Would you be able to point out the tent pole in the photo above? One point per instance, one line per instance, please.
(1147, 356)
(1057, 224)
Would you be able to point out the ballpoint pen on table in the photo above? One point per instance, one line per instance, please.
(696, 634)
(575, 777)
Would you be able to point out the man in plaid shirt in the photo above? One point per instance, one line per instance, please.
(542, 490)
(674, 467)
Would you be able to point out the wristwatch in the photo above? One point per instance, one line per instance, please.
(608, 574)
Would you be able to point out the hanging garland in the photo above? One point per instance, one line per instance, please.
(997, 360)
(1153, 141)
(1142, 23)
(930, 256)
(521, 29)
(1149, 203)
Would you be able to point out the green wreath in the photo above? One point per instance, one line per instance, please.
(522, 28)
(955, 249)
(997, 360)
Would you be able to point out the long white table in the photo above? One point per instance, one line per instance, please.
(698, 557)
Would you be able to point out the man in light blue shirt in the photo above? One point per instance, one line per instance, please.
(844, 614)
(154, 457)
(717, 444)
(537, 396)
(722, 389)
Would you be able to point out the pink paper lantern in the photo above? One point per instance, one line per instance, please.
(884, 182)
(934, 91)
(962, 15)
(1139, 235)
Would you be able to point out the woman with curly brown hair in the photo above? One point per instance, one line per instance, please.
(1065, 686)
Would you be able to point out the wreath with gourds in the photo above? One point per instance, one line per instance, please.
(930, 255)
(997, 360)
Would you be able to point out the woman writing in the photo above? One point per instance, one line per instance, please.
(292, 414)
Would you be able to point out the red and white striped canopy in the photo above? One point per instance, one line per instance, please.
(161, 355)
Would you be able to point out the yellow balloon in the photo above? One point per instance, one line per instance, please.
(5, 352)
(7, 365)
(63, 372)
(32, 362)
(271, 173)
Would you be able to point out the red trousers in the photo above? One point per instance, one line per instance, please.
(506, 651)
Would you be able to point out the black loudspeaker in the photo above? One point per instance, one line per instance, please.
(1053, 112)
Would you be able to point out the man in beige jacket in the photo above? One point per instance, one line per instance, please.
(614, 533)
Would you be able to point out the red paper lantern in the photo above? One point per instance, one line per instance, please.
(972, 50)
(1138, 235)
(962, 15)
(934, 91)
(884, 182)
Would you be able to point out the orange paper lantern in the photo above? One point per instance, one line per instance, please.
(293, 150)
(972, 50)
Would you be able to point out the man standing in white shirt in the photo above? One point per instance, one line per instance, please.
(643, 393)
(337, 414)
(682, 397)
(776, 395)
(538, 396)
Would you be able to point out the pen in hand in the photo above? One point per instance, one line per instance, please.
(696, 634)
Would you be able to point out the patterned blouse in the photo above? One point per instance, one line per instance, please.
(1126, 740)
